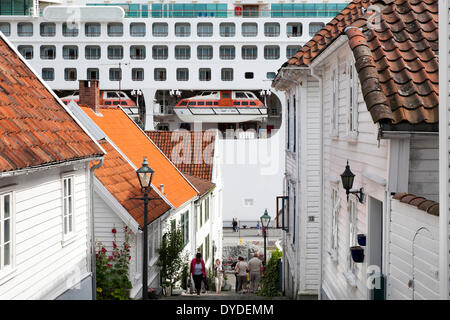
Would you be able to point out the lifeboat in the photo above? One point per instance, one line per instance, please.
(221, 107)
(110, 99)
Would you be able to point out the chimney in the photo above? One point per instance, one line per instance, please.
(89, 94)
(161, 187)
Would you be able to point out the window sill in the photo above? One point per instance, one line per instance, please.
(68, 240)
(7, 274)
(351, 279)
(352, 137)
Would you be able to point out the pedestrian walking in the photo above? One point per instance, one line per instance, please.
(218, 272)
(198, 271)
(233, 267)
(242, 268)
(258, 228)
(234, 225)
(254, 267)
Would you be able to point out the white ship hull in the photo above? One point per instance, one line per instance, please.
(221, 115)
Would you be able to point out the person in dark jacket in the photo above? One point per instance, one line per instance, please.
(198, 271)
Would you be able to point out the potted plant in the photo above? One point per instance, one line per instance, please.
(362, 239)
(357, 254)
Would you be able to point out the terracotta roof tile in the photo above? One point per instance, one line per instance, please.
(136, 145)
(35, 129)
(120, 179)
(397, 61)
(203, 186)
(429, 206)
(199, 144)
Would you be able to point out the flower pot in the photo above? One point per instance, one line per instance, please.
(357, 254)
(168, 291)
(362, 240)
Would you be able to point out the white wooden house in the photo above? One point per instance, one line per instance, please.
(45, 215)
(387, 129)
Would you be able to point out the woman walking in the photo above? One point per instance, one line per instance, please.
(241, 269)
(218, 271)
(198, 271)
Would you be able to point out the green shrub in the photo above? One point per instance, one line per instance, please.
(270, 281)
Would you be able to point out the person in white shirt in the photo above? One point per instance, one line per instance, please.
(218, 271)
(254, 267)
(242, 268)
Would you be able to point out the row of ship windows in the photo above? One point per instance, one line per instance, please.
(48, 52)
(226, 29)
(159, 74)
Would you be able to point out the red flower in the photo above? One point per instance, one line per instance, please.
(114, 245)
(129, 258)
(114, 230)
(111, 257)
(108, 265)
(103, 249)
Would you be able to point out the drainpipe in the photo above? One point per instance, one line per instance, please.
(322, 189)
(93, 260)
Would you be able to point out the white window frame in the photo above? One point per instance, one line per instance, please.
(6, 272)
(70, 234)
(352, 95)
(352, 231)
(335, 102)
(153, 242)
(334, 230)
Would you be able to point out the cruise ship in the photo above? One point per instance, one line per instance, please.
(157, 53)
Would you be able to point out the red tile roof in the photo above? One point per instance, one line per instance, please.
(136, 145)
(198, 145)
(120, 179)
(35, 129)
(429, 206)
(397, 61)
(203, 186)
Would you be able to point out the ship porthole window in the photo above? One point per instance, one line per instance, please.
(249, 75)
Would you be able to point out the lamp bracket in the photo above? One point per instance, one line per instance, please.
(358, 193)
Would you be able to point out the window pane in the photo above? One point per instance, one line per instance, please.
(204, 52)
(160, 30)
(137, 74)
(182, 74)
(205, 29)
(25, 29)
(160, 52)
(48, 74)
(137, 52)
(182, 52)
(92, 29)
(315, 27)
(70, 30)
(7, 255)
(5, 27)
(137, 29)
(26, 51)
(227, 52)
(182, 29)
(227, 30)
(249, 29)
(115, 29)
(48, 29)
(271, 29)
(160, 74)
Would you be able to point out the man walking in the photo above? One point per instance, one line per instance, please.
(254, 266)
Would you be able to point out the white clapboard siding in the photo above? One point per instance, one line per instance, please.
(366, 155)
(424, 167)
(413, 253)
(45, 267)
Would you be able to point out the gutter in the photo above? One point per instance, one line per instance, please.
(91, 189)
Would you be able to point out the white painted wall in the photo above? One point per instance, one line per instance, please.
(44, 267)
(413, 254)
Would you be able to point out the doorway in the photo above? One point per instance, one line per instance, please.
(375, 234)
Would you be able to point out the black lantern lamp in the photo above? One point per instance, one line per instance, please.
(265, 220)
(347, 178)
(145, 175)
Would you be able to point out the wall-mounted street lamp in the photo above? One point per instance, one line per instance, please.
(347, 178)
(265, 221)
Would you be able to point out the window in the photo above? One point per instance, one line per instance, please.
(26, 51)
(92, 52)
(353, 99)
(288, 115)
(115, 74)
(352, 231)
(137, 29)
(6, 231)
(207, 209)
(137, 74)
(271, 29)
(48, 74)
(200, 209)
(25, 29)
(227, 52)
(314, 27)
(204, 52)
(115, 52)
(227, 74)
(153, 240)
(182, 52)
(249, 75)
(292, 50)
(160, 74)
(115, 29)
(70, 52)
(5, 27)
(92, 29)
(70, 74)
(48, 29)
(294, 29)
(93, 74)
(182, 29)
(335, 108)
(249, 52)
(70, 30)
(137, 52)
(173, 225)
(207, 248)
(48, 52)
(271, 52)
(68, 207)
(159, 52)
(336, 206)
(249, 29)
(160, 30)
(182, 74)
(205, 29)
(204, 74)
(185, 227)
(270, 75)
(227, 29)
